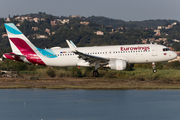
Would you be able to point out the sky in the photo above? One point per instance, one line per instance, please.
(127, 10)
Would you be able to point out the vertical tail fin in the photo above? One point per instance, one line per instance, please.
(21, 46)
(19, 43)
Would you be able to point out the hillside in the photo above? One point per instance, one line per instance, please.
(47, 31)
(136, 24)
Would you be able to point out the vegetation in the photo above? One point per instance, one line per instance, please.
(135, 24)
(166, 71)
(74, 78)
(140, 74)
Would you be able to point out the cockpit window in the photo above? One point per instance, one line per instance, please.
(166, 49)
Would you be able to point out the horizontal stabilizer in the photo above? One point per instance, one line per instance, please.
(14, 56)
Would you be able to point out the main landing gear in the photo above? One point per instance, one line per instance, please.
(95, 72)
(154, 67)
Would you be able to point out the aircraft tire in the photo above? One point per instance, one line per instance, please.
(95, 73)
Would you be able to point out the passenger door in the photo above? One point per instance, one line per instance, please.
(154, 49)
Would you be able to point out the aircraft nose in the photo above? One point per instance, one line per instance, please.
(172, 55)
(175, 55)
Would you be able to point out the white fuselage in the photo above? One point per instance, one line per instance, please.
(140, 53)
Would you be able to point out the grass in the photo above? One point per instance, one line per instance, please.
(109, 79)
(164, 74)
(141, 74)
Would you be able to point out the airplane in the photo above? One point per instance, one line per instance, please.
(116, 57)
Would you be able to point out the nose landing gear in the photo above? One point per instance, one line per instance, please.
(154, 67)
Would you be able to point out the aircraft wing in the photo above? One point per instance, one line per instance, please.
(88, 58)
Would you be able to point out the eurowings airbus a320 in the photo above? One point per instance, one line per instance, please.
(115, 57)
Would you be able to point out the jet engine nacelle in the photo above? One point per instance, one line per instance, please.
(117, 64)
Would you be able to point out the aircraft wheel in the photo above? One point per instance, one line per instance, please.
(154, 70)
(95, 73)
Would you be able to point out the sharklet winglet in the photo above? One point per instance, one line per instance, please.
(71, 45)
